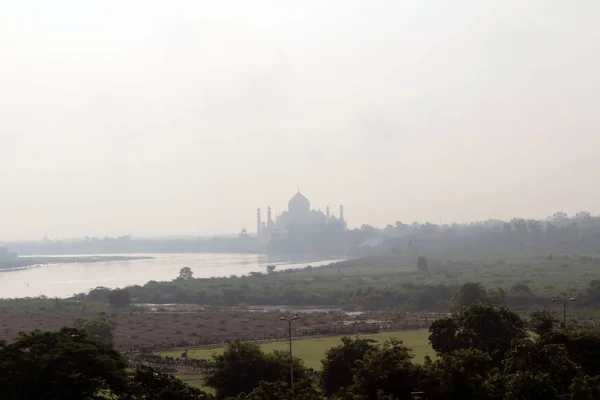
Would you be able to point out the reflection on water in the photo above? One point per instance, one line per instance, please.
(63, 280)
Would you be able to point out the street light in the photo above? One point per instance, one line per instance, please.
(564, 301)
(289, 321)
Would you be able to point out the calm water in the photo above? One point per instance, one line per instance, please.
(63, 280)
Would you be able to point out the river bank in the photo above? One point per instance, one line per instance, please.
(64, 279)
(35, 261)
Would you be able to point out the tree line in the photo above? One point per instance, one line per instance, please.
(579, 234)
(301, 288)
(559, 233)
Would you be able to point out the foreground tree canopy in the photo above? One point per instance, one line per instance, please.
(340, 363)
(483, 327)
(68, 365)
(60, 365)
(483, 352)
(243, 366)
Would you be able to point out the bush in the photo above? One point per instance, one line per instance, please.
(119, 298)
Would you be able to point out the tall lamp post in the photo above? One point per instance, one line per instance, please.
(289, 321)
(564, 301)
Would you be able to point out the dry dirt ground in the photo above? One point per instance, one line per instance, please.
(136, 330)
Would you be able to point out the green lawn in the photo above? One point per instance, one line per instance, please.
(195, 381)
(312, 351)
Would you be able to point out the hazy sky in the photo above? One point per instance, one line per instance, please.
(182, 117)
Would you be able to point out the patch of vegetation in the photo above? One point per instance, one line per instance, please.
(384, 282)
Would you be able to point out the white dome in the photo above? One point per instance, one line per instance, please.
(299, 202)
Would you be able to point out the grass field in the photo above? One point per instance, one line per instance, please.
(195, 381)
(312, 351)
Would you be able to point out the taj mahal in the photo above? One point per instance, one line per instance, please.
(298, 213)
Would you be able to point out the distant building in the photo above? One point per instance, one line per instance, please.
(298, 213)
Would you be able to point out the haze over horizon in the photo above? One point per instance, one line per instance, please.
(159, 118)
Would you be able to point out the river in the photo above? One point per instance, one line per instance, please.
(64, 280)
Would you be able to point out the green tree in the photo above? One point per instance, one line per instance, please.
(242, 366)
(444, 337)
(100, 328)
(100, 294)
(63, 365)
(542, 322)
(458, 375)
(186, 273)
(148, 384)
(302, 390)
(529, 385)
(468, 294)
(339, 363)
(487, 328)
(385, 369)
(585, 388)
(583, 347)
(521, 289)
(119, 298)
(496, 297)
(526, 355)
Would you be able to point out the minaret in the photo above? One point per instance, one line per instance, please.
(327, 213)
(258, 224)
(342, 213)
